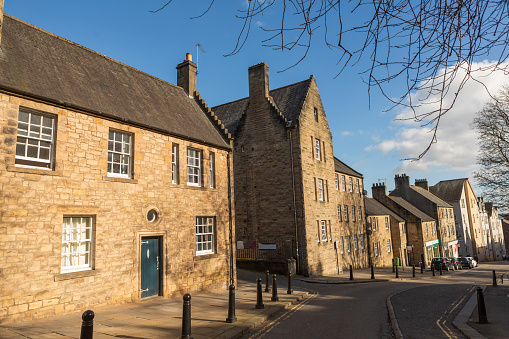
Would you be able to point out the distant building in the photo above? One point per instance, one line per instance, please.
(460, 194)
(505, 230)
(485, 245)
(497, 234)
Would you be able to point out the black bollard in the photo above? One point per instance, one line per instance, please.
(392, 265)
(433, 269)
(267, 289)
(372, 272)
(494, 279)
(87, 326)
(274, 289)
(397, 275)
(422, 269)
(289, 290)
(231, 305)
(440, 267)
(481, 308)
(413, 271)
(186, 317)
(259, 301)
(351, 272)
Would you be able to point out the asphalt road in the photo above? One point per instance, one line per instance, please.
(424, 308)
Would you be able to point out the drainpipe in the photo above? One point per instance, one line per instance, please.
(230, 219)
(294, 208)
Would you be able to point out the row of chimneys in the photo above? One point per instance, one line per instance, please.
(403, 181)
(258, 79)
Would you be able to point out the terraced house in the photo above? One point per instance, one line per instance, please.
(285, 173)
(114, 185)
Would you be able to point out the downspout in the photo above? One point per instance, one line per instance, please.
(294, 207)
(230, 219)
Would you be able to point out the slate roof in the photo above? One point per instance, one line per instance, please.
(341, 167)
(373, 207)
(39, 64)
(411, 208)
(449, 190)
(289, 100)
(430, 196)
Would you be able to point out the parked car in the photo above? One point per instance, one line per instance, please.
(465, 262)
(444, 262)
(455, 262)
(474, 262)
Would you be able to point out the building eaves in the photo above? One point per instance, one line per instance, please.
(341, 167)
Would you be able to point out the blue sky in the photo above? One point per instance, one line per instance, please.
(366, 138)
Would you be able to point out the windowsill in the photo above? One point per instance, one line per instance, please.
(32, 170)
(205, 256)
(115, 179)
(75, 275)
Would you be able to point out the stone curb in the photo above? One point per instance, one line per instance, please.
(394, 321)
(460, 322)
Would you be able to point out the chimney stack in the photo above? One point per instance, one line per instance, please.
(258, 82)
(379, 191)
(422, 183)
(402, 181)
(186, 75)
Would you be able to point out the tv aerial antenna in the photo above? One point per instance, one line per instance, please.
(198, 49)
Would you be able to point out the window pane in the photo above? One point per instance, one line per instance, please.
(23, 117)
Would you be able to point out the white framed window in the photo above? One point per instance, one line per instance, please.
(360, 213)
(353, 213)
(119, 154)
(357, 186)
(336, 177)
(373, 223)
(355, 242)
(343, 183)
(320, 190)
(35, 142)
(193, 167)
(175, 164)
(323, 229)
(212, 165)
(342, 245)
(375, 248)
(362, 241)
(317, 149)
(77, 243)
(426, 228)
(389, 245)
(386, 223)
(339, 212)
(348, 245)
(350, 184)
(346, 212)
(205, 235)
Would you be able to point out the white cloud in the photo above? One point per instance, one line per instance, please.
(259, 23)
(346, 133)
(456, 147)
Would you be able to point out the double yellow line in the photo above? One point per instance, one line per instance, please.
(267, 328)
(441, 321)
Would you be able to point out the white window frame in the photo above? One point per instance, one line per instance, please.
(355, 242)
(175, 164)
(339, 212)
(348, 244)
(320, 190)
(346, 212)
(375, 248)
(373, 223)
(35, 136)
(362, 241)
(350, 184)
(212, 165)
(386, 223)
(388, 245)
(205, 235)
(317, 149)
(323, 229)
(336, 177)
(342, 245)
(77, 243)
(120, 158)
(353, 213)
(360, 213)
(194, 167)
(357, 187)
(343, 183)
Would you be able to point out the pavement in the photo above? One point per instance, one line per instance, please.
(162, 317)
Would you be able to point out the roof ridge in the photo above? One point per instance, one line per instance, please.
(89, 50)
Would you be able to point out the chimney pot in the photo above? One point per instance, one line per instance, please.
(189, 57)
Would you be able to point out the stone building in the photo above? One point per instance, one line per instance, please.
(485, 250)
(349, 189)
(386, 234)
(496, 232)
(421, 229)
(114, 185)
(442, 212)
(505, 230)
(285, 171)
(460, 194)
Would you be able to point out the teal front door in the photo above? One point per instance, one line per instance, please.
(150, 267)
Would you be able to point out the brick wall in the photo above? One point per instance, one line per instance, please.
(33, 203)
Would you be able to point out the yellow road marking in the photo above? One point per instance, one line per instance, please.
(267, 328)
(448, 332)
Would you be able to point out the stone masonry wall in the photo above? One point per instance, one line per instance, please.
(33, 203)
